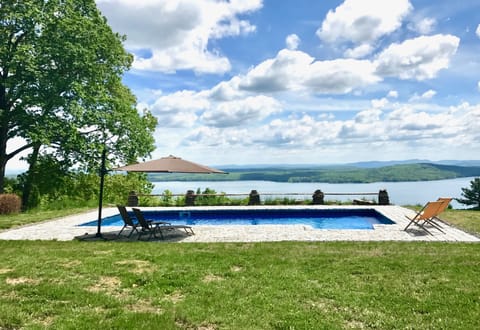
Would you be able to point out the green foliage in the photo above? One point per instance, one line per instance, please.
(118, 186)
(471, 196)
(11, 185)
(210, 200)
(62, 92)
(80, 189)
(341, 174)
(282, 285)
(10, 203)
(282, 201)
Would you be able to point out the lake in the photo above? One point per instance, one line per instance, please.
(400, 193)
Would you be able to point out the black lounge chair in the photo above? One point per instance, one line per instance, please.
(127, 220)
(151, 227)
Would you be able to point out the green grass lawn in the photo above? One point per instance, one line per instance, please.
(467, 220)
(14, 220)
(285, 285)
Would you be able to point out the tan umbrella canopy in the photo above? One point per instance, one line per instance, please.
(170, 164)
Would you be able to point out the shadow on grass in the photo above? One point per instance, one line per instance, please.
(169, 236)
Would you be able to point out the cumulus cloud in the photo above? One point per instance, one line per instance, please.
(368, 116)
(226, 90)
(380, 103)
(292, 41)
(420, 58)
(392, 94)
(240, 112)
(362, 23)
(423, 26)
(477, 31)
(340, 76)
(372, 128)
(179, 109)
(428, 94)
(359, 51)
(180, 39)
(283, 72)
(296, 70)
(296, 132)
(478, 86)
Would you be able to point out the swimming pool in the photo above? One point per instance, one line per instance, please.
(317, 218)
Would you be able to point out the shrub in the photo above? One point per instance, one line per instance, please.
(10, 203)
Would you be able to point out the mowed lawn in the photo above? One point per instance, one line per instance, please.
(282, 285)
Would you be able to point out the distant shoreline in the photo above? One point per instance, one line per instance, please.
(334, 174)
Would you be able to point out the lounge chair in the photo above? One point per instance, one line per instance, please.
(151, 227)
(127, 220)
(426, 215)
(445, 202)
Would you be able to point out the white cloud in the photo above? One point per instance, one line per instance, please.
(478, 86)
(179, 109)
(226, 90)
(392, 94)
(420, 58)
(359, 52)
(283, 72)
(296, 70)
(240, 112)
(340, 76)
(368, 116)
(423, 26)
(380, 103)
(292, 41)
(393, 132)
(363, 22)
(180, 39)
(428, 94)
(477, 31)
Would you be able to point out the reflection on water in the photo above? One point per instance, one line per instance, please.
(401, 193)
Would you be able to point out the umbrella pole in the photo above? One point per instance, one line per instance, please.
(103, 171)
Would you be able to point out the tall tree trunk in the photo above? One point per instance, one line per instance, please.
(3, 136)
(30, 179)
(3, 164)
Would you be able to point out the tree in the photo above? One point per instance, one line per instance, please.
(471, 195)
(61, 90)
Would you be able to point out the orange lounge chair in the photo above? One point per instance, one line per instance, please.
(446, 201)
(151, 227)
(426, 215)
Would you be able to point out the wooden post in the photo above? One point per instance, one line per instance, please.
(383, 197)
(317, 197)
(254, 198)
(190, 198)
(132, 199)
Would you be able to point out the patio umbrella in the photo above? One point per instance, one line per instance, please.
(170, 164)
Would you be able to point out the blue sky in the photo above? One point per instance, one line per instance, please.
(304, 81)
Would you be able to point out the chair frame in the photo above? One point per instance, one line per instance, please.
(151, 227)
(445, 202)
(127, 220)
(426, 215)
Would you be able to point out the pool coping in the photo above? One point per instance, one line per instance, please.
(65, 229)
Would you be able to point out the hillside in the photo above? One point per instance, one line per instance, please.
(333, 174)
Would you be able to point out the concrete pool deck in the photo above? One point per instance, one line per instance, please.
(66, 229)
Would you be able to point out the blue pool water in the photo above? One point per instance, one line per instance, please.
(319, 219)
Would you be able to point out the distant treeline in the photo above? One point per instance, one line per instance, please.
(336, 174)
